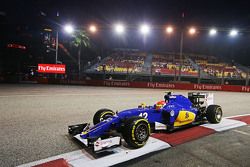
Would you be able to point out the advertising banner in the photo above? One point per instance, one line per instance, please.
(159, 85)
(52, 68)
(169, 86)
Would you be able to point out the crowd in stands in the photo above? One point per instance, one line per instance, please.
(217, 68)
(132, 61)
(123, 61)
(169, 64)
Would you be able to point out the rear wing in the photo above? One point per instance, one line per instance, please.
(201, 98)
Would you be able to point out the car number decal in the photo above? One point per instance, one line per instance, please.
(144, 115)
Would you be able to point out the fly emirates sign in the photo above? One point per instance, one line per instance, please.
(52, 68)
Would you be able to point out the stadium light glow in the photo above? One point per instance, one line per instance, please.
(169, 30)
(119, 28)
(192, 31)
(145, 29)
(213, 32)
(92, 28)
(68, 28)
(233, 33)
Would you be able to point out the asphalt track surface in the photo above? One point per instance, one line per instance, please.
(34, 119)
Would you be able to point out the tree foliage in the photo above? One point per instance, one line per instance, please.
(81, 39)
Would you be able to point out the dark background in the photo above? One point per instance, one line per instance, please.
(23, 22)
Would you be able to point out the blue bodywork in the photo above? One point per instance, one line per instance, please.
(166, 115)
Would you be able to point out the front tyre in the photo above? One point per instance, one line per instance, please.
(214, 114)
(102, 114)
(136, 131)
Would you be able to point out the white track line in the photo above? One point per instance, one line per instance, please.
(237, 116)
(241, 132)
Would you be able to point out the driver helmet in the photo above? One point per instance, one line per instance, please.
(160, 104)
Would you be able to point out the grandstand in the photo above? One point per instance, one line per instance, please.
(218, 68)
(164, 67)
(123, 61)
(169, 64)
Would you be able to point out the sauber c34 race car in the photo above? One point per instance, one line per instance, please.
(135, 125)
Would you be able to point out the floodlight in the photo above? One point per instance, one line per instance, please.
(119, 28)
(233, 33)
(92, 28)
(169, 30)
(213, 32)
(68, 28)
(145, 29)
(192, 31)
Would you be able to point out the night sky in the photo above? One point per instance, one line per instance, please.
(158, 13)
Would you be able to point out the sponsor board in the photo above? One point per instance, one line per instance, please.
(52, 68)
(117, 83)
(158, 85)
(207, 87)
(245, 89)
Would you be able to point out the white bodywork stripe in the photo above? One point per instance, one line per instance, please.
(84, 141)
(160, 126)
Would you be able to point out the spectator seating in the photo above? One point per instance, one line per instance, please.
(132, 61)
(217, 68)
(123, 61)
(168, 64)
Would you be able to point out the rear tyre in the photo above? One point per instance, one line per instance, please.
(136, 132)
(214, 114)
(102, 114)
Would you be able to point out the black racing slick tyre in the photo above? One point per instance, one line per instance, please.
(214, 114)
(136, 132)
(102, 114)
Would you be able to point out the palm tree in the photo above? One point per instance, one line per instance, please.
(80, 41)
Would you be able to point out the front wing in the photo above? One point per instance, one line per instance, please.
(98, 144)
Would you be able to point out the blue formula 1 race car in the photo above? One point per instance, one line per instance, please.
(135, 125)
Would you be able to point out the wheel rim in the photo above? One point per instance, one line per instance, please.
(141, 132)
(218, 114)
